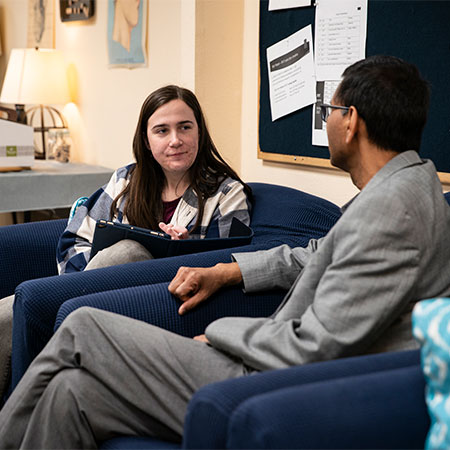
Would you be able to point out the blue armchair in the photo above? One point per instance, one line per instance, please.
(280, 216)
(367, 402)
(374, 401)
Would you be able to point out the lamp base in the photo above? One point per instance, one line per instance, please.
(56, 120)
(21, 114)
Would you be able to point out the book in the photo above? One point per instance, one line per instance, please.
(160, 245)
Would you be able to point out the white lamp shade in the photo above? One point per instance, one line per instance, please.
(35, 76)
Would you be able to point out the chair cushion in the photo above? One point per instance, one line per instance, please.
(431, 327)
(136, 443)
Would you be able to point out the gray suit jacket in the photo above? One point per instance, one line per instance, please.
(351, 292)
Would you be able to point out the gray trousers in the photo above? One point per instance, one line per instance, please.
(122, 252)
(103, 375)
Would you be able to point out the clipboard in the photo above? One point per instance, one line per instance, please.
(160, 245)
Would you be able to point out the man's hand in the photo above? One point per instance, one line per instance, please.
(201, 338)
(192, 285)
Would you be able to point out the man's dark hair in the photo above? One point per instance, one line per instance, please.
(391, 97)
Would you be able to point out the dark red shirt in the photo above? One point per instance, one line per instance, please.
(169, 209)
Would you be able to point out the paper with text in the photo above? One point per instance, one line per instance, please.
(325, 91)
(292, 82)
(285, 4)
(340, 36)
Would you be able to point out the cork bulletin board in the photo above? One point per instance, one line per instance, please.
(415, 30)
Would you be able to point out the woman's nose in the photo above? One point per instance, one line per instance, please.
(175, 140)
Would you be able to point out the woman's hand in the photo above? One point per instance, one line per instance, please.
(174, 231)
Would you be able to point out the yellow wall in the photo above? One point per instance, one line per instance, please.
(218, 72)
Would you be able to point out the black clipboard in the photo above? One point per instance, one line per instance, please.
(160, 245)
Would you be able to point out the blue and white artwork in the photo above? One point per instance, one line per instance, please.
(126, 33)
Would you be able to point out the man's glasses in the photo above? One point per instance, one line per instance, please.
(325, 110)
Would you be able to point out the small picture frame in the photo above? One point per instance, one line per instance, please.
(76, 10)
(58, 144)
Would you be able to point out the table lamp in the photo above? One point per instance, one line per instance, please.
(37, 77)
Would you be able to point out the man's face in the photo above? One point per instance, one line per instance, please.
(336, 127)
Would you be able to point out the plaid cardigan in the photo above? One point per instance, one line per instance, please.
(75, 243)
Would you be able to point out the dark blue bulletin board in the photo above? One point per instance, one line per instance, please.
(415, 30)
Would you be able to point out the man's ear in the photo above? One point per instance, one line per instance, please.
(353, 124)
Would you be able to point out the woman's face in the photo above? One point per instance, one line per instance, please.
(172, 133)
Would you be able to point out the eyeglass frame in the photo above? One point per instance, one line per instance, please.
(324, 114)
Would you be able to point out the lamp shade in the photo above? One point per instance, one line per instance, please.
(35, 76)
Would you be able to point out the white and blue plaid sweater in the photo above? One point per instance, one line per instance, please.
(75, 243)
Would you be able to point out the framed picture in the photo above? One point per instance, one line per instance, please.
(76, 10)
(40, 32)
(127, 30)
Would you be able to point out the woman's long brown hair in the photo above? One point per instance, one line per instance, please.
(143, 195)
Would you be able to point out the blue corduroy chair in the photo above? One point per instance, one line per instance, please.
(280, 215)
(366, 402)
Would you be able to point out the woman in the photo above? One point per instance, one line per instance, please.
(179, 183)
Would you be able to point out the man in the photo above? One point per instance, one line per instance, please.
(351, 292)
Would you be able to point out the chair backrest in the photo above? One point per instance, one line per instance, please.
(281, 212)
(447, 197)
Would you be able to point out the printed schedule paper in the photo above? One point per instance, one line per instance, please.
(292, 82)
(340, 36)
(285, 4)
(325, 91)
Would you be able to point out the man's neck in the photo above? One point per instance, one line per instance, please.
(371, 160)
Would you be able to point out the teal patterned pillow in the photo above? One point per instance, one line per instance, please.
(78, 202)
(431, 328)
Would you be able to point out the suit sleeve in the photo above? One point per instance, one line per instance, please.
(275, 268)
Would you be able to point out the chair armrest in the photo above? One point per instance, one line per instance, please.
(156, 305)
(38, 301)
(209, 411)
(377, 410)
(28, 251)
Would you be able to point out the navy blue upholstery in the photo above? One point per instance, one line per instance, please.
(380, 410)
(28, 251)
(212, 406)
(154, 304)
(280, 215)
(374, 401)
(137, 443)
